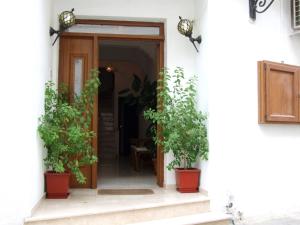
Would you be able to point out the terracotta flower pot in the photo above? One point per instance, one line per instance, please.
(187, 180)
(57, 185)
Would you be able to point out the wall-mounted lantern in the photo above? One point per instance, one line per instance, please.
(258, 6)
(185, 27)
(66, 20)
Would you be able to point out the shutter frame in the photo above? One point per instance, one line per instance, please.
(295, 5)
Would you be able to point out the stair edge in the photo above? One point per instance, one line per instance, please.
(150, 205)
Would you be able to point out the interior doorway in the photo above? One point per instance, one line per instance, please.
(128, 74)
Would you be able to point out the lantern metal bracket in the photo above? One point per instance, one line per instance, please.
(52, 31)
(193, 40)
(258, 6)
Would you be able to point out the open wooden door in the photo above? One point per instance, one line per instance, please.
(76, 59)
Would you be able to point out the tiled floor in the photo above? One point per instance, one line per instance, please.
(118, 173)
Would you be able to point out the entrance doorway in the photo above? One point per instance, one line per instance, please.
(128, 74)
(84, 47)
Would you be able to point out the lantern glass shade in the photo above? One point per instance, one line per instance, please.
(67, 19)
(185, 27)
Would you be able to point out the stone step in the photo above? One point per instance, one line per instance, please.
(108, 129)
(109, 150)
(107, 114)
(107, 119)
(209, 218)
(105, 139)
(128, 211)
(109, 138)
(108, 143)
(107, 133)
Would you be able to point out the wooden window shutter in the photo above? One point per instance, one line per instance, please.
(278, 93)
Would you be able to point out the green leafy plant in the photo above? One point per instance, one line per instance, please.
(142, 93)
(183, 127)
(65, 127)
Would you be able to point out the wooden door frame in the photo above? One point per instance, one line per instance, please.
(159, 39)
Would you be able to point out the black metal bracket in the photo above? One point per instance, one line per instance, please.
(52, 31)
(193, 40)
(258, 6)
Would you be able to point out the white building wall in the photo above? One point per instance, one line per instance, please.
(25, 65)
(202, 70)
(178, 50)
(257, 164)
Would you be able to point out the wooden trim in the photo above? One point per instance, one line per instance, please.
(114, 36)
(162, 31)
(119, 23)
(60, 62)
(261, 92)
(95, 118)
(76, 35)
(280, 64)
(160, 153)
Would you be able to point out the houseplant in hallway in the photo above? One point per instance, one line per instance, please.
(183, 127)
(66, 131)
(142, 94)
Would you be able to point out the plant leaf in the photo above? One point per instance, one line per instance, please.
(136, 83)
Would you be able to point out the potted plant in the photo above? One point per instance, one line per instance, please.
(183, 127)
(65, 129)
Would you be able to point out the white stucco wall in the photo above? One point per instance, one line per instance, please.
(257, 164)
(178, 50)
(202, 60)
(25, 65)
